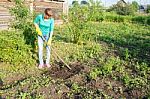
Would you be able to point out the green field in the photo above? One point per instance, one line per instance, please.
(111, 61)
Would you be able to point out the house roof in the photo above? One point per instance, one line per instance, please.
(143, 6)
(124, 1)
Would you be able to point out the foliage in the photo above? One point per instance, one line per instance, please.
(78, 18)
(127, 10)
(135, 6)
(148, 9)
(115, 58)
(123, 8)
(94, 73)
(90, 50)
(95, 12)
(80, 15)
(141, 19)
(21, 13)
(23, 21)
(13, 49)
(114, 18)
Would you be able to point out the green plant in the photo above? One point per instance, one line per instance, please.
(115, 18)
(90, 50)
(126, 79)
(94, 73)
(108, 67)
(137, 83)
(75, 87)
(122, 8)
(139, 19)
(14, 50)
(23, 21)
(142, 69)
(148, 20)
(135, 6)
(127, 55)
(78, 19)
(95, 12)
(148, 9)
(21, 13)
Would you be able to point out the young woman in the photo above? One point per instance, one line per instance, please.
(44, 24)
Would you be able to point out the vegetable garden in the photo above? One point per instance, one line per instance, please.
(109, 60)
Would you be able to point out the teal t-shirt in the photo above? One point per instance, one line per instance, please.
(46, 26)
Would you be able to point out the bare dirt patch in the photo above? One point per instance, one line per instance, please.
(64, 73)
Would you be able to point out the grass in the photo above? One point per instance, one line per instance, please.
(112, 62)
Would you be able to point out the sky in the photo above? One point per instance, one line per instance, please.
(110, 2)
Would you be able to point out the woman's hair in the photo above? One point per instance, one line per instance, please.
(48, 11)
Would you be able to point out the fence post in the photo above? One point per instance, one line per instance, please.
(65, 7)
(31, 7)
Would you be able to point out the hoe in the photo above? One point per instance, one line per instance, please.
(56, 54)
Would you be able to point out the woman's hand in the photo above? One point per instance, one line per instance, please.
(38, 30)
(50, 38)
(49, 41)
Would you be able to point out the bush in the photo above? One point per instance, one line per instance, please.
(148, 9)
(100, 18)
(21, 13)
(139, 19)
(78, 18)
(133, 19)
(122, 9)
(148, 20)
(135, 6)
(23, 21)
(95, 11)
(127, 10)
(17, 47)
(114, 18)
(13, 49)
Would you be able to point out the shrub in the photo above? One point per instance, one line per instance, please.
(114, 18)
(148, 20)
(21, 13)
(13, 49)
(122, 9)
(127, 10)
(135, 6)
(148, 9)
(78, 18)
(23, 21)
(95, 11)
(16, 47)
(139, 19)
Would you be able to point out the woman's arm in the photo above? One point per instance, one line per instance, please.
(51, 28)
(36, 22)
(38, 29)
(51, 32)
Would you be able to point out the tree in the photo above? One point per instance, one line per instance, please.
(74, 2)
(148, 9)
(122, 8)
(95, 11)
(78, 19)
(135, 6)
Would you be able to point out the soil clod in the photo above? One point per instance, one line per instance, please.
(64, 73)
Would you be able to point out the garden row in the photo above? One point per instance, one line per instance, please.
(120, 18)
